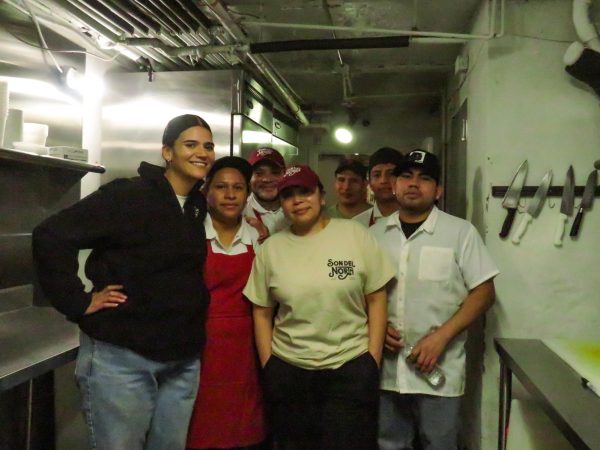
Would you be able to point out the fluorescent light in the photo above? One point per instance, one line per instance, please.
(343, 135)
(37, 89)
(256, 137)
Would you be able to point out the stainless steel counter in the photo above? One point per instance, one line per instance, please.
(558, 389)
(33, 341)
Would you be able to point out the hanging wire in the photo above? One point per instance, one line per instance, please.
(53, 50)
(44, 46)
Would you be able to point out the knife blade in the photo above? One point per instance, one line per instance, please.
(511, 198)
(566, 206)
(586, 201)
(534, 207)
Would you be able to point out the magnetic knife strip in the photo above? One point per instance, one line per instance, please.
(553, 191)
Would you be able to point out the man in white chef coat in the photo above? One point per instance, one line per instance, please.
(263, 204)
(444, 282)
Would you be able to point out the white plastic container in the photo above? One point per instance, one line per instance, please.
(14, 128)
(35, 133)
(3, 109)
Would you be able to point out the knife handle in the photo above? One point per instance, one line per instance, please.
(508, 222)
(576, 223)
(560, 229)
(522, 227)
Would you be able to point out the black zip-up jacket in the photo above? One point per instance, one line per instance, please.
(140, 238)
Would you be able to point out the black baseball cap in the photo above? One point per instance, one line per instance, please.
(354, 166)
(385, 155)
(424, 160)
(234, 162)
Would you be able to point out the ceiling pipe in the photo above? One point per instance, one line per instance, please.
(198, 50)
(259, 61)
(195, 12)
(171, 38)
(170, 19)
(585, 29)
(117, 9)
(329, 44)
(586, 32)
(492, 7)
(99, 11)
(91, 22)
(134, 21)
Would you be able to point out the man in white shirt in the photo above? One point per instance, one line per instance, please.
(382, 165)
(268, 167)
(444, 282)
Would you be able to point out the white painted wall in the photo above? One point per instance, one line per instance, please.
(523, 105)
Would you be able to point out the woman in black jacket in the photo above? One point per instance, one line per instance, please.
(142, 326)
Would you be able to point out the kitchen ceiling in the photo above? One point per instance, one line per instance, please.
(316, 80)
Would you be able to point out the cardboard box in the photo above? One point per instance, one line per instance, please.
(75, 154)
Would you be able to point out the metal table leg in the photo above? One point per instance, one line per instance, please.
(505, 400)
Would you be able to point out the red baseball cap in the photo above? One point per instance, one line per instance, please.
(266, 154)
(299, 176)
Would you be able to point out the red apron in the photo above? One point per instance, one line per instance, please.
(229, 407)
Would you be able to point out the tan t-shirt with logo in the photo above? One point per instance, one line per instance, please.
(319, 282)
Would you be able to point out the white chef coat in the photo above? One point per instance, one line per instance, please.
(273, 220)
(436, 267)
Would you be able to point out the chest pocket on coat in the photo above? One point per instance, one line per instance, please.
(435, 263)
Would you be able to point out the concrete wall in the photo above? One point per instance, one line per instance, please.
(523, 105)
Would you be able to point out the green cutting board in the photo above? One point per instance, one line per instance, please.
(582, 356)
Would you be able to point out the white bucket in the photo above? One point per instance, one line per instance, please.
(14, 128)
(3, 109)
(35, 133)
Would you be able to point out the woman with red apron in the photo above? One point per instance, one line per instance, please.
(228, 413)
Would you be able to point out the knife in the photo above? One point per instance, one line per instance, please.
(566, 206)
(511, 198)
(586, 201)
(534, 207)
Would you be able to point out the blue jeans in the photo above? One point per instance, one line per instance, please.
(132, 403)
(435, 419)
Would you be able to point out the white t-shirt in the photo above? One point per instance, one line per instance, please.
(436, 267)
(274, 220)
(320, 282)
(181, 199)
(246, 235)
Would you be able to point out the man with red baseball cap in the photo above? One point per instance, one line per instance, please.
(268, 167)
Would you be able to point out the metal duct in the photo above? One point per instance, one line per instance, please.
(195, 12)
(330, 44)
(102, 11)
(259, 61)
(123, 14)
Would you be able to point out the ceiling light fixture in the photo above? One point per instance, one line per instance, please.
(343, 135)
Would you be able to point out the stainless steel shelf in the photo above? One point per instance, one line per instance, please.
(34, 340)
(49, 161)
(556, 387)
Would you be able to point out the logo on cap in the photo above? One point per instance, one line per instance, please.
(417, 156)
(264, 152)
(292, 171)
